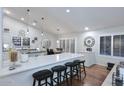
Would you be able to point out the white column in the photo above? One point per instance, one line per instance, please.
(1, 28)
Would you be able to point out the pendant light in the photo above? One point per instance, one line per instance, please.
(28, 16)
(58, 40)
(42, 33)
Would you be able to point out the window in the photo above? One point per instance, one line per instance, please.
(105, 45)
(118, 45)
(46, 43)
(68, 45)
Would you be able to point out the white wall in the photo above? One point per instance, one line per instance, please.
(101, 59)
(1, 36)
(17, 26)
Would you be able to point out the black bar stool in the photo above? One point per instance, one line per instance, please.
(59, 70)
(81, 66)
(43, 75)
(73, 70)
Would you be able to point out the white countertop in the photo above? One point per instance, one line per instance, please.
(108, 80)
(87, 52)
(40, 61)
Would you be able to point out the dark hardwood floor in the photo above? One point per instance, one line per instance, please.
(96, 74)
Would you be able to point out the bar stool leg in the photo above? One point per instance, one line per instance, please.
(46, 81)
(39, 83)
(51, 80)
(77, 71)
(34, 82)
(80, 71)
(66, 77)
(71, 74)
(60, 78)
(57, 78)
(84, 69)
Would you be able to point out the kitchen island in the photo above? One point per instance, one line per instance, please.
(22, 75)
(108, 80)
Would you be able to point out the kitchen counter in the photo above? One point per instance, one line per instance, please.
(108, 80)
(22, 75)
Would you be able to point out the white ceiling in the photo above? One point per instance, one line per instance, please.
(56, 18)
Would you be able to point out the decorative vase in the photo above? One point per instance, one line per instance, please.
(13, 59)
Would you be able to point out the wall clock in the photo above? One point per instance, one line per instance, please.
(89, 41)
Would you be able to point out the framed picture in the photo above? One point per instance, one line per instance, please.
(26, 41)
(16, 41)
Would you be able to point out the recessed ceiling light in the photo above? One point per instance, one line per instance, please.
(42, 34)
(22, 19)
(86, 28)
(7, 11)
(57, 41)
(67, 10)
(34, 24)
(28, 31)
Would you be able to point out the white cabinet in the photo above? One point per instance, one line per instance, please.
(90, 58)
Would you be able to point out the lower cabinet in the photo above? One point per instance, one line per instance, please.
(90, 58)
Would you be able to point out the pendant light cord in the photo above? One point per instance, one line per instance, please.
(28, 15)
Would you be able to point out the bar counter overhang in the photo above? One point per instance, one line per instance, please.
(22, 75)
